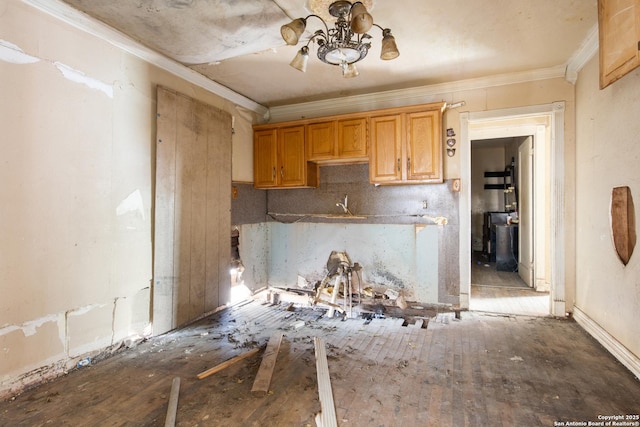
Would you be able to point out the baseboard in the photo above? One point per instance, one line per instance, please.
(619, 351)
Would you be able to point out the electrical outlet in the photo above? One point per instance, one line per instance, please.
(424, 204)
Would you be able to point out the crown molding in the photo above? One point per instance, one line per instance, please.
(404, 97)
(582, 55)
(84, 22)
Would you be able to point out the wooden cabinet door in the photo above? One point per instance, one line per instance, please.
(352, 138)
(385, 164)
(321, 141)
(291, 159)
(265, 158)
(619, 31)
(423, 150)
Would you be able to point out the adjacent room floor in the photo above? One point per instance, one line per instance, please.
(480, 370)
(494, 291)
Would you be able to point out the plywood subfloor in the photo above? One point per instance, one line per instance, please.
(480, 370)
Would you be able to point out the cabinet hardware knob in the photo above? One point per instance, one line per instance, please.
(398, 164)
(282, 171)
(274, 173)
(408, 164)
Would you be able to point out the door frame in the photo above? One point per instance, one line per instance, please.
(517, 122)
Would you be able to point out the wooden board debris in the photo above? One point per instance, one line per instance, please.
(226, 364)
(172, 409)
(327, 415)
(265, 372)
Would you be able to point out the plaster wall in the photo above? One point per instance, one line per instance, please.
(77, 148)
(607, 156)
(402, 257)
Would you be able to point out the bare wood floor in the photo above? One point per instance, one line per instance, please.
(477, 371)
(504, 292)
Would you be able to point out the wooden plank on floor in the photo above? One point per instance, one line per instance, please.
(327, 415)
(227, 363)
(263, 378)
(294, 399)
(172, 408)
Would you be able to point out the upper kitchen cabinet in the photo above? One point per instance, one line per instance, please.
(265, 158)
(406, 146)
(619, 31)
(321, 141)
(386, 149)
(337, 141)
(352, 139)
(279, 158)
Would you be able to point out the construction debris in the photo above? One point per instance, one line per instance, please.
(263, 377)
(172, 408)
(401, 302)
(339, 269)
(299, 324)
(392, 294)
(327, 415)
(226, 364)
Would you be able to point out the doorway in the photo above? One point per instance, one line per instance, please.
(546, 124)
(502, 225)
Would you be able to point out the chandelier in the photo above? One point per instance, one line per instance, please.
(343, 45)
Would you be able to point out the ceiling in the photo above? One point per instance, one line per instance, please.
(237, 43)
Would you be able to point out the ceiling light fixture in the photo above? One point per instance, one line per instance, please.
(343, 45)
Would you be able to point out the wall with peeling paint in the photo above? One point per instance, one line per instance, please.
(607, 156)
(402, 257)
(76, 165)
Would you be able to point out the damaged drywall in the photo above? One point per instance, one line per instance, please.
(43, 348)
(77, 76)
(11, 53)
(78, 148)
(389, 255)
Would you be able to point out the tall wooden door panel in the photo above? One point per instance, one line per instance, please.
(192, 210)
(525, 211)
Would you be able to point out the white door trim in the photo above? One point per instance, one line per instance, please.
(469, 131)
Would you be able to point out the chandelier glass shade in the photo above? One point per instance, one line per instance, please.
(344, 44)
